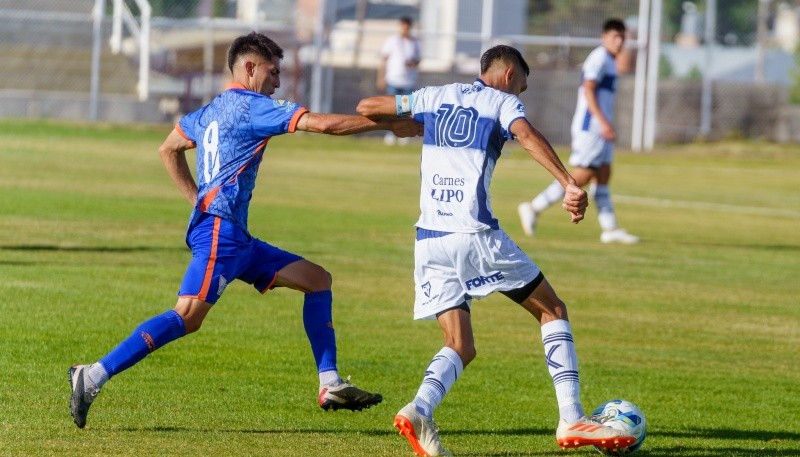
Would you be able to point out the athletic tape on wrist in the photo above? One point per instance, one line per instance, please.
(403, 104)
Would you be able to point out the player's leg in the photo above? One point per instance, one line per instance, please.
(87, 380)
(212, 260)
(529, 212)
(574, 428)
(315, 282)
(415, 420)
(606, 216)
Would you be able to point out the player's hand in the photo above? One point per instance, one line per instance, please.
(575, 202)
(608, 132)
(405, 127)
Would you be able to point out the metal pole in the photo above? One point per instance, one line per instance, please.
(94, 94)
(487, 19)
(144, 51)
(706, 97)
(640, 78)
(116, 27)
(651, 92)
(761, 27)
(208, 62)
(316, 70)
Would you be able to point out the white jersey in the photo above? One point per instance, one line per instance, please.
(465, 129)
(601, 67)
(397, 51)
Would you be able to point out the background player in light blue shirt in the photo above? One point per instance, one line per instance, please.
(461, 253)
(593, 136)
(231, 135)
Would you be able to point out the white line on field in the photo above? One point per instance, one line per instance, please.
(645, 201)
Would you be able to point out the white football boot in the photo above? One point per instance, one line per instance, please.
(420, 431)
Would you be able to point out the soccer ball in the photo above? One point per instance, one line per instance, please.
(622, 415)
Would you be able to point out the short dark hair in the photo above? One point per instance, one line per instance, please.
(614, 24)
(506, 53)
(406, 20)
(253, 42)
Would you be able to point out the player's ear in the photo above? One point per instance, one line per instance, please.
(509, 74)
(249, 67)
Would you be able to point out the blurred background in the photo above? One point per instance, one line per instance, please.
(691, 70)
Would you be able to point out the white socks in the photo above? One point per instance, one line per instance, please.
(562, 363)
(550, 195)
(96, 374)
(329, 378)
(440, 376)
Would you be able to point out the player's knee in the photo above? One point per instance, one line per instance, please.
(322, 280)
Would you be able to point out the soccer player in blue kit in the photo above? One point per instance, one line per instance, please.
(461, 252)
(231, 134)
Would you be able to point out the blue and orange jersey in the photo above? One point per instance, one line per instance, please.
(231, 134)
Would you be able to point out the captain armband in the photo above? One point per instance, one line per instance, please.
(403, 103)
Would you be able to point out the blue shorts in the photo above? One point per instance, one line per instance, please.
(222, 252)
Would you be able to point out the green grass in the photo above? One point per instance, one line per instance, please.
(699, 324)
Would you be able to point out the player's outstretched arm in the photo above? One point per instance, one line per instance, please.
(575, 198)
(379, 107)
(173, 155)
(348, 124)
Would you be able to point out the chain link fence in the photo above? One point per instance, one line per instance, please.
(332, 52)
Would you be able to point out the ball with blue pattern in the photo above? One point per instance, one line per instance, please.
(622, 415)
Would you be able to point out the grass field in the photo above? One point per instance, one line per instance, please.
(699, 324)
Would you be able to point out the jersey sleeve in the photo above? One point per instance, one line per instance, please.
(511, 109)
(185, 126)
(593, 66)
(420, 103)
(270, 117)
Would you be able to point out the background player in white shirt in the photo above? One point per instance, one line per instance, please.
(461, 252)
(593, 137)
(398, 71)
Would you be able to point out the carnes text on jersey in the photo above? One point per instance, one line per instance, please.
(447, 195)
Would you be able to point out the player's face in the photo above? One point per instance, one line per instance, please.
(267, 76)
(405, 29)
(613, 41)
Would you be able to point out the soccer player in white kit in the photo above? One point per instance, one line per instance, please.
(461, 252)
(593, 137)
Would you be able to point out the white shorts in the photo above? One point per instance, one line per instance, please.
(453, 269)
(590, 150)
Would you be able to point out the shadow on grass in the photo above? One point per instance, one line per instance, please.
(55, 248)
(769, 439)
(263, 431)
